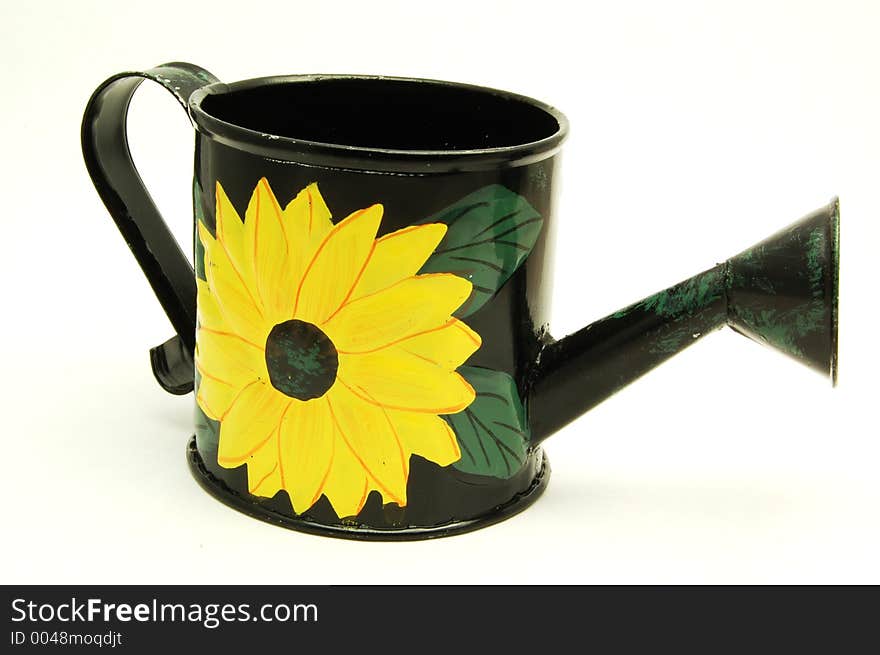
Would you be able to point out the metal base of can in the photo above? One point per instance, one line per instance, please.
(222, 492)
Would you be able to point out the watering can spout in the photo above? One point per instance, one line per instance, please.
(782, 292)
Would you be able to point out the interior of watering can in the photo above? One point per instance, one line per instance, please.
(390, 114)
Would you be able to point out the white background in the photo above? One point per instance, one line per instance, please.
(695, 132)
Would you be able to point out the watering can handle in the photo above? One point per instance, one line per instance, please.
(109, 162)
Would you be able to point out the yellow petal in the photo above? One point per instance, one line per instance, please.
(337, 265)
(409, 307)
(306, 224)
(396, 379)
(214, 395)
(249, 423)
(264, 476)
(448, 346)
(426, 435)
(367, 431)
(227, 363)
(307, 214)
(305, 451)
(231, 234)
(266, 245)
(347, 485)
(208, 310)
(235, 299)
(230, 357)
(397, 256)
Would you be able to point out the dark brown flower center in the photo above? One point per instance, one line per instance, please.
(301, 359)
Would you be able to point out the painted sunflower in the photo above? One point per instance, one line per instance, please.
(325, 357)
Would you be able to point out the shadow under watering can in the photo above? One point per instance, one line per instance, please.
(366, 327)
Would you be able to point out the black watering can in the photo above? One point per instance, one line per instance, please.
(366, 325)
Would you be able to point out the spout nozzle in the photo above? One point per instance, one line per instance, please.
(783, 291)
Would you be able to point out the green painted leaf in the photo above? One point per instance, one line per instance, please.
(492, 432)
(199, 215)
(491, 232)
(207, 429)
